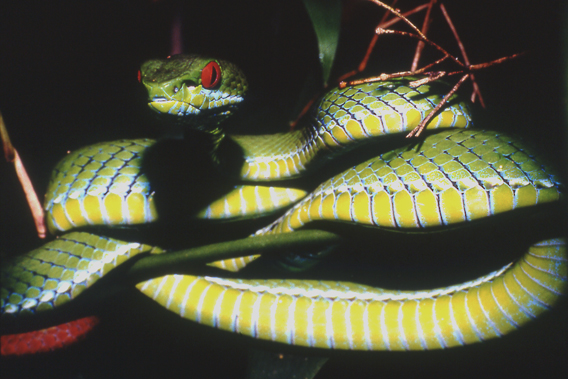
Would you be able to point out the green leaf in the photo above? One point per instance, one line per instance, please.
(326, 19)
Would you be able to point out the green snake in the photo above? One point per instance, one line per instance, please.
(452, 177)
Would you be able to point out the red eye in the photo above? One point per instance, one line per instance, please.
(211, 75)
(139, 76)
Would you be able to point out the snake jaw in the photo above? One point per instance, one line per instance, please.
(181, 86)
(173, 107)
(192, 101)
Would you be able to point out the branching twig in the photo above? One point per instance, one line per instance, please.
(383, 77)
(464, 55)
(416, 131)
(383, 24)
(421, 44)
(400, 16)
(431, 76)
(466, 67)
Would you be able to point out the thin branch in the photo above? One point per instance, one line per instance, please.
(177, 35)
(401, 16)
(476, 90)
(383, 24)
(421, 44)
(479, 66)
(384, 76)
(416, 131)
(370, 48)
(426, 40)
(394, 20)
(9, 152)
(12, 155)
(431, 77)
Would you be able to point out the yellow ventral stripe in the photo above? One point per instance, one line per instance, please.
(342, 315)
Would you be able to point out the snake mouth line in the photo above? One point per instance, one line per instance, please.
(173, 107)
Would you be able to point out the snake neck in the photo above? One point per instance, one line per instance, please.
(226, 155)
(216, 136)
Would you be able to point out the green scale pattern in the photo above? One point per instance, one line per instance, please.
(344, 118)
(398, 106)
(100, 184)
(453, 176)
(60, 270)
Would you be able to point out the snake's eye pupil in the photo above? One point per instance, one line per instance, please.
(139, 76)
(211, 75)
(176, 89)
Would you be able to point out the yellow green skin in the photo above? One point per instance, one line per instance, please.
(472, 174)
(351, 316)
(174, 87)
(487, 175)
(341, 315)
(451, 177)
(102, 184)
(343, 117)
(60, 270)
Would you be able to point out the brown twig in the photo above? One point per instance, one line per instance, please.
(384, 23)
(424, 71)
(476, 90)
(430, 76)
(400, 16)
(384, 76)
(11, 155)
(370, 49)
(421, 38)
(416, 131)
(421, 44)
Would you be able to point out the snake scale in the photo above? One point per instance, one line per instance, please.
(451, 177)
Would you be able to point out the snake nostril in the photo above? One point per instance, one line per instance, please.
(189, 84)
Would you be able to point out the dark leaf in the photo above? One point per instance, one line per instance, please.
(326, 18)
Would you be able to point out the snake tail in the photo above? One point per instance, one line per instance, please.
(340, 315)
(49, 339)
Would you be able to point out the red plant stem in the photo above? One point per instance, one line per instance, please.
(400, 16)
(382, 24)
(476, 90)
(11, 155)
(416, 131)
(421, 44)
(384, 77)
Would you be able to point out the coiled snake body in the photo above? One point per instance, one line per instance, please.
(451, 177)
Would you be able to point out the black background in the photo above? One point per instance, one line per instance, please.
(68, 79)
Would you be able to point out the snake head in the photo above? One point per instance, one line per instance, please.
(194, 89)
